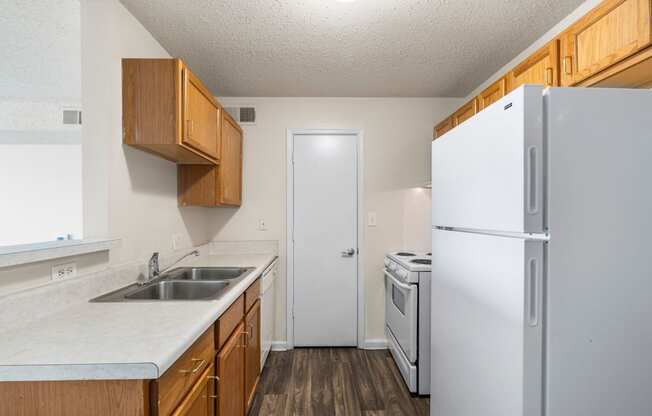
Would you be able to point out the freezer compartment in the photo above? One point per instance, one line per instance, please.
(487, 173)
(408, 370)
(486, 325)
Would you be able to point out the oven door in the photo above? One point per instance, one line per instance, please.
(401, 317)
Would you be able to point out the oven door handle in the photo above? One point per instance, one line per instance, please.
(397, 282)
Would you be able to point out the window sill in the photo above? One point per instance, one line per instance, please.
(32, 253)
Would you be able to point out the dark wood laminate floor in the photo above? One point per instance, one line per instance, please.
(334, 381)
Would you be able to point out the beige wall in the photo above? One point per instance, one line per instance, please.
(128, 194)
(397, 135)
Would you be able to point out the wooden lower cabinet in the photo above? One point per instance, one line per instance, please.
(200, 401)
(231, 375)
(199, 383)
(252, 355)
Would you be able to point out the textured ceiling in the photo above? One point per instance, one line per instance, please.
(432, 48)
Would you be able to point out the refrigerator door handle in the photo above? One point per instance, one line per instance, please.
(532, 195)
(533, 280)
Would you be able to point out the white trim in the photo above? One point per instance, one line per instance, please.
(32, 253)
(280, 346)
(290, 224)
(375, 344)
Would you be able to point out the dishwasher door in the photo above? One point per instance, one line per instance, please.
(268, 310)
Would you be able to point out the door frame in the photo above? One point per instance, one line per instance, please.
(358, 135)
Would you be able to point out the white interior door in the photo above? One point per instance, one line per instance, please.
(325, 240)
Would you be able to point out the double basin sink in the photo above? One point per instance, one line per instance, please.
(183, 283)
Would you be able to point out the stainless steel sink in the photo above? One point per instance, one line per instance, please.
(178, 290)
(206, 273)
(185, 283)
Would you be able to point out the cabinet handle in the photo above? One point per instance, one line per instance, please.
(190, 127)
(549, 77)
(568, 65)
(212, 396)
(199, 363)
(246, 334)
(213, 378)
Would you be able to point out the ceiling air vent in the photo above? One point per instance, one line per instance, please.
(243, 115)
(72, 117)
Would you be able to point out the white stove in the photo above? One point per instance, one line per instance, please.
(407, 316)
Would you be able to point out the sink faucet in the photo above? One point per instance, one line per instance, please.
(153, 266)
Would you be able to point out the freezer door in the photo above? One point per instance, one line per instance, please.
(486, 325)
(487, 173)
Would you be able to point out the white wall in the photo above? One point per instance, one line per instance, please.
(127, 193)
(137, 191)
(397, 135)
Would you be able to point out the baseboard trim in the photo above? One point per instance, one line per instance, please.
(374, 344)
(279, 346)
(369, 344)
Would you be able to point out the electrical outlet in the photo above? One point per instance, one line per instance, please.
(371, 219)
(176, 241)
(261, 225)
(63, 271)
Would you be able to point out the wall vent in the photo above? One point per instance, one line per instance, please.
(72, 117)
(243, 115)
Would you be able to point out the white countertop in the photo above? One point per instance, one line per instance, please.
(123, 340)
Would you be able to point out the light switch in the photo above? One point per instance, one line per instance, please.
(261, 225)
(371, 219)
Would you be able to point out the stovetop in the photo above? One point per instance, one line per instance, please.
(412, 261)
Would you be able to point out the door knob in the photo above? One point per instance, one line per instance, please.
(348, 253)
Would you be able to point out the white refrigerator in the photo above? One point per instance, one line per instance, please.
(542, 257)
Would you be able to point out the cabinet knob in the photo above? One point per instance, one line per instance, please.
(549, 76)
(568, 65)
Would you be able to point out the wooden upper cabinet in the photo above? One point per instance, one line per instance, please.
(230, 371)
(214, 186)
(465, 112)
(443, 127)
(541, 68)
(201, 116)
(230, 171)
(167, 111)
(608, 34)
(252, 355)
(492, 93)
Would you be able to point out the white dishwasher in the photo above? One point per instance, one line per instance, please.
(268, 310)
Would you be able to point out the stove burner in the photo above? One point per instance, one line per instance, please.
(405, 254)
(421, 261)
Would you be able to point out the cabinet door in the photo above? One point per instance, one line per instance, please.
(230, 169)
(201, 116)
(541, 68)
(492, 93)
(230, 373)
(252, 358)
(465, 112)
(200, 400)
(609, 33)
(443, 127)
